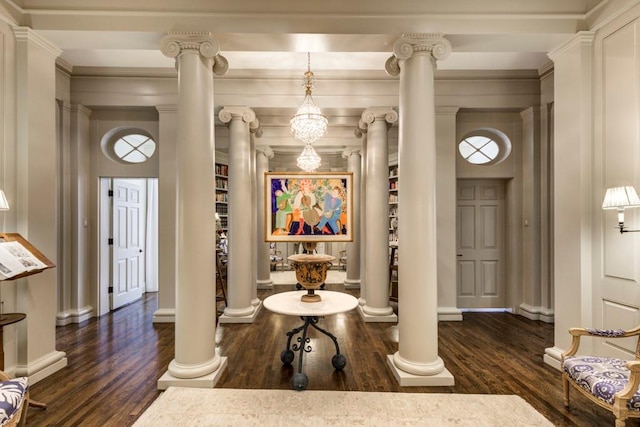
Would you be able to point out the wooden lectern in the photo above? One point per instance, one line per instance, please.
(10, 318)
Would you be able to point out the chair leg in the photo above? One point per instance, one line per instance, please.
(25, 408)
(565, 388)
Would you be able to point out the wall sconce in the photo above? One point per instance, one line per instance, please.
(620, 198)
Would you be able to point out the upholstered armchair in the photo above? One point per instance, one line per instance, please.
(342, 260)
(14, 400)
(608, 382)
(276, 258)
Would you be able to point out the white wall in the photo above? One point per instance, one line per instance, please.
(616, 272)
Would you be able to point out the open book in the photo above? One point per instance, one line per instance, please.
(16, 259)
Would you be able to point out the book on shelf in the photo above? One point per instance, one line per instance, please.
(16, 259)
(222, 169)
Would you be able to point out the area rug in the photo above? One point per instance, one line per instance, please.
(288, 277)
(232, 407)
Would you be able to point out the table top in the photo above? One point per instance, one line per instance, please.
(9, 318)
(311, 258)
(331, 303)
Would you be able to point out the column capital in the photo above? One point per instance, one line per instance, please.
(243, 113)
(361, 129)
(266, 151)
(434, 44)
(255, 128)
(372, 114)
(175, 43)
(80, 109)
(580, 39)
(26, 34)
(168, 108)
(350, 151)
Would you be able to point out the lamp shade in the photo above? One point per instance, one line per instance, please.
(4, 205)
(620, 198)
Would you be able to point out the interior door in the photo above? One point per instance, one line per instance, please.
(127, 273)
(480, 244)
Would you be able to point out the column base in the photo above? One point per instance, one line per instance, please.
(249, 318)
(208, 381)
(43, 367)
(536, 313)
(264, 284)
(449, 314)
(406, 379)
(352, 284)
(383, 318)
(74, 316)
(164, 315)
(553, 357)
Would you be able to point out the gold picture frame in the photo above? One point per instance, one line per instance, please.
(308, 207)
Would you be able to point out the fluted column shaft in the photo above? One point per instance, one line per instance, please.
(377, 308)
(414, 59)
(240, 279)
(353, 248)
(263, 154)
(195, 323)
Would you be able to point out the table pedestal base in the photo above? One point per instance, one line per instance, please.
(299, 381)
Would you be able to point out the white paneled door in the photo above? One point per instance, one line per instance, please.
(480, 243)
(128, 242)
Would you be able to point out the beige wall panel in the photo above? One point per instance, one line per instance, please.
(615, 316)
(621, 110)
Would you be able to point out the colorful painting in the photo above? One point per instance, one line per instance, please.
(308, 207)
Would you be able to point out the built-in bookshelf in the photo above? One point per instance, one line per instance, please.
(393, 203)
(393, 232)
(222, 194)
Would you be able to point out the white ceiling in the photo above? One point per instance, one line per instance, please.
(260, 37)
(275, 34)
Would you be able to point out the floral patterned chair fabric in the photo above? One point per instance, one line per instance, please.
(276, 257)
(14, 399)
(609, 382)
(342, 260)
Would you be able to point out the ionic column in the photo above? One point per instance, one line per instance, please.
(417, 362)
(240, 279)
(353, 248)
(263, 154)
(255, 132)
(196, 363)
(377, 308)
(361, 132)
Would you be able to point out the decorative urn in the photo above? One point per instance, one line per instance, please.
(311, 272)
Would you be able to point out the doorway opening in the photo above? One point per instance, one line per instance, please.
(128, 236)
(480, 244)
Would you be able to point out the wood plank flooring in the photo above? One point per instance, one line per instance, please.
(115, 361)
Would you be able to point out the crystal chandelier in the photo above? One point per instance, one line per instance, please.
(308, 160)
(308, 124)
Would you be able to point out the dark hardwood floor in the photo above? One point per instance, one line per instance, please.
(115, 361)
